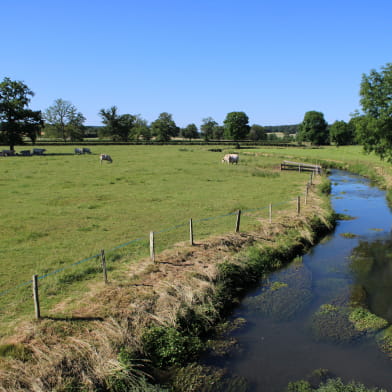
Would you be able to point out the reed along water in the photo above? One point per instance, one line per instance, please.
(298, 320)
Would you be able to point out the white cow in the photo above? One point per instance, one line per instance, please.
(105, 157)
(231, 158)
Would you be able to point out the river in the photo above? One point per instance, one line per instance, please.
(284, 340)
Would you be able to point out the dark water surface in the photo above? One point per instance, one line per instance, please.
(279, 343)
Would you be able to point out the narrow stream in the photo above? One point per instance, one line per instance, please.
(284, 338)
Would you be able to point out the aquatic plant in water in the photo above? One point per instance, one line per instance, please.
(281, 300)
(384, 340)
(200, 378)
(331, 323)
(363, 320)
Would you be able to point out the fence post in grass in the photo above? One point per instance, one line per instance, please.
(237, 224)
(103, 261)
(311, 177)
(270, 213)
(306, 193)
(298, 204)
(36, 297)
(152, 249)
(191, 232)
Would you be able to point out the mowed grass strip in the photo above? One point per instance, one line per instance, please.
(60, 208)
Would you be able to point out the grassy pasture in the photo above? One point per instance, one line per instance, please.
(343, 154)
(61, 208)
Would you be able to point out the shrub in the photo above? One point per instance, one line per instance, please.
(325, 186)
(167, 347)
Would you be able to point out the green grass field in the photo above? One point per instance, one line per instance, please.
(62, 208)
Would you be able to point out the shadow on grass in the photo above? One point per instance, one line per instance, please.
(54, 318)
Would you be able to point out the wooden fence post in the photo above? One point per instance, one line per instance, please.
(36, 297)
(306, 193)
(103, 261)
(191, 232)
(298, 205)
(311, 177)
(152, 249)
(270, 213)
(237, 224)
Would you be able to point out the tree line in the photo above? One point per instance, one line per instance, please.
(371, 127)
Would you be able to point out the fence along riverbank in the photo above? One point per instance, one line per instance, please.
(100, 258)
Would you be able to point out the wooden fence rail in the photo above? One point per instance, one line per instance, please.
(299, 166)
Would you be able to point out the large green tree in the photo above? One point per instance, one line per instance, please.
(341, 133)
(257, 132)
(313, 129)
(140, 129)
(208, 128)
(64, 118)
(164, 127)
(190, 132)
(236, 125)
(374, 126)
(16, 119)
(118, 127)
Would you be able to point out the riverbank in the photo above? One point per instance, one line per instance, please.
(163, 313)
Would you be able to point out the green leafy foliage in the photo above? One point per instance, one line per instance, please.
(341, 133)
(64, 119)
(166, 346)
(314, 129)
(374, 127)
(164, 127)
(236, 125)
(16, 120)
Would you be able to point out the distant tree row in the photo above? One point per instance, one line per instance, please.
(286, 129)
(372, 127)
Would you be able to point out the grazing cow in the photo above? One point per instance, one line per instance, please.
(231, 158)
(105, 157)
(8, 153)
(38, 151)
(78, 151)
(86, 150)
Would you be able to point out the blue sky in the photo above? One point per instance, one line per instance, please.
(274, 60)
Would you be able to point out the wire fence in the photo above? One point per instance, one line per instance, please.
(204, 229)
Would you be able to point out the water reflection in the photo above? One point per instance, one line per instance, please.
(371, 267)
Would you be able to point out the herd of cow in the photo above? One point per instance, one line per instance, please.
(102, 157)
(228, 158)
